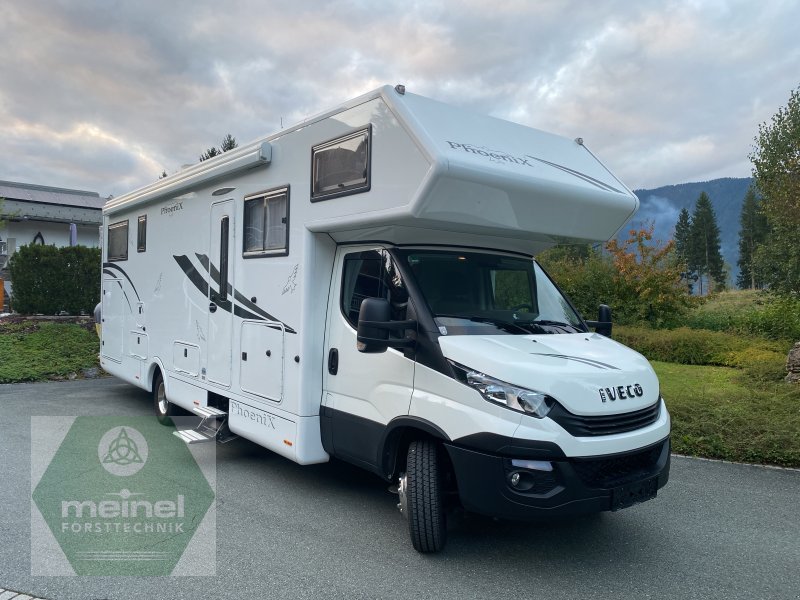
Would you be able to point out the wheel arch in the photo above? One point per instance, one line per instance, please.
(151, 374)
(400, 432)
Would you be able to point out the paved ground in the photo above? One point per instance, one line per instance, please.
(331, 531)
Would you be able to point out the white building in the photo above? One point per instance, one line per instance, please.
(37, 214)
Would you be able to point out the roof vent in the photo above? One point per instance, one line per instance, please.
(400, 89)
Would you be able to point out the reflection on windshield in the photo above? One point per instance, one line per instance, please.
(484, 294)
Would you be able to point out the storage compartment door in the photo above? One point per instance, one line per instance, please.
(261, 359)
(113, 316)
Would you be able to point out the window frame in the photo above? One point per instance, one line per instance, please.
(355, 189)
(113, 226)
(141, 234)
(265, 195)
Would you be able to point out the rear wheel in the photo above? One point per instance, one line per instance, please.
(163, 407)
(422, 496)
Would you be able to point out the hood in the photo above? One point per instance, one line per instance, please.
(589, 374)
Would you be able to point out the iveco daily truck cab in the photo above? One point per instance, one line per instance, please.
(363, 286)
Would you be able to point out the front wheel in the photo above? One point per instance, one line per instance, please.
(163, 407)
(422, 497)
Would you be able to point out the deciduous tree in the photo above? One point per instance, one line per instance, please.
(776, 169)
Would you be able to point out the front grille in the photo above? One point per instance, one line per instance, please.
(582, 426)
(616, 470)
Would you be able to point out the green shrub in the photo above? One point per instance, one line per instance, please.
(48, 280)
(757, 358)
(749, 313)
(32, 351)
(640, 280)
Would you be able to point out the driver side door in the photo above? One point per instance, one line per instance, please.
(362, 392)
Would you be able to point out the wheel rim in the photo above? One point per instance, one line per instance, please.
(402, 491)
(161, 397)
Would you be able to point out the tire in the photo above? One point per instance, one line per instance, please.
(426, 512)
(163, 407)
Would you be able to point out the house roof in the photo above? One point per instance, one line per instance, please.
(27, 192)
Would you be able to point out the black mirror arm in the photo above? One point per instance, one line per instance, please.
(390, 325)
(390, 343)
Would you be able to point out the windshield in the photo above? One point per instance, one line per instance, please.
(490, 294)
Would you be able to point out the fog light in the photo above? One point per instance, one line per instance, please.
(515, 479)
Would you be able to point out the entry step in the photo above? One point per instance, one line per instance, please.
(192, 436)
(209, 412)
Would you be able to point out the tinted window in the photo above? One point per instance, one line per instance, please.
(341, 166)
(141, 234)
(118, 241)
(266, 224)
(371, 274)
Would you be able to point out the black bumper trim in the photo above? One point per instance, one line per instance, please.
(509, 446)
(484, 482)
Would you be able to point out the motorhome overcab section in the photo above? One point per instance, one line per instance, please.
(363, 286)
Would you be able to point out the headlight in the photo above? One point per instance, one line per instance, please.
(530, 402)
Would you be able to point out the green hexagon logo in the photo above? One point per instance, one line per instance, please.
(120, 496)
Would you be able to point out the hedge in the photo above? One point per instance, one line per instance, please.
(759, 359)
(49, 280)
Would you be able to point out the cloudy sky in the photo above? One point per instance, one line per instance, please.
(104, 95)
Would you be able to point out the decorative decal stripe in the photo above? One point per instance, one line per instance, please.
(584, 176)
(587, 361)
(108, 265)
(209, 266)
(193, 274)
(201, 284)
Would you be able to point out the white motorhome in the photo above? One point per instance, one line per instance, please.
(362, 286)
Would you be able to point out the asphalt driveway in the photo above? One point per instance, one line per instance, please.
(332, 531)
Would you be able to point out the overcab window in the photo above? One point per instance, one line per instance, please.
(266, 224)
(341, 166)
(118, 241)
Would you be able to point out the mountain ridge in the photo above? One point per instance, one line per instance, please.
(661, 206)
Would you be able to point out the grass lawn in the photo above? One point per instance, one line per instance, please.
(718, 413)
(32, 350)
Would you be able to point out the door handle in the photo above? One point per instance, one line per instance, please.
(333, 361)
(212, 307)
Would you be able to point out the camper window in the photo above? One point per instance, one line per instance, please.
(141, 234)
(341, 166)
(118, 241)
(266, 224)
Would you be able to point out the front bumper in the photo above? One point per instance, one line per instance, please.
(574, 486)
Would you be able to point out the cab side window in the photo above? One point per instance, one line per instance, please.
(371, 274)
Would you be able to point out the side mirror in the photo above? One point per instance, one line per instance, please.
(374, 325)
(603, 324)
(371, 339)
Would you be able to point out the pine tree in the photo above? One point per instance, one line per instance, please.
(228, 143)
(210, 153)
(752, 235)
(705, 244)
(683, 239)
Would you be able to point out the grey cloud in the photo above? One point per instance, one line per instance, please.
(663, 92)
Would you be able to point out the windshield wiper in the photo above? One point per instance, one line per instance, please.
(508, 325)
(561, 324)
